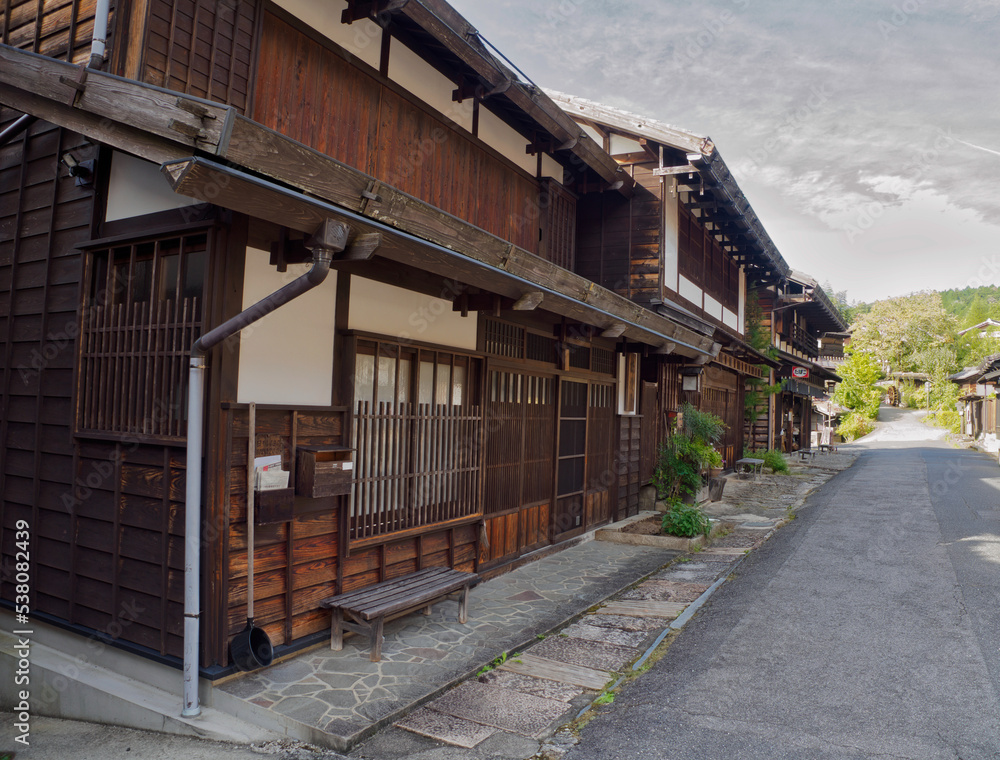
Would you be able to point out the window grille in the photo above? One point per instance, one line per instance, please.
(417, 432)
(141, 315)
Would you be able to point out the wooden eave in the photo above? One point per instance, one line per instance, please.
(588, 110)
(222, 157)
(460, 38)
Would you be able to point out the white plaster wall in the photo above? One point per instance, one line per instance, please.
(552, 168)
(621, 144)
(137, 187)
(731, 320)
(505, 140)
(362, 38)
(671, 234)
(411, 71)
(712, 307)
(406, 315)
(594, 134)
(287, 357)
(690, 291)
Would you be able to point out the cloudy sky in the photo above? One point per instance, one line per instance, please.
(864, 132)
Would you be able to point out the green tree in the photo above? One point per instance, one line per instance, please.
(857, 390)
(899, 331)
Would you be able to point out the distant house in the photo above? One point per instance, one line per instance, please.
(977, 401)
(988, 329)
(803, 322)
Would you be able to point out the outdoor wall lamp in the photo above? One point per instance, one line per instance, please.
(82, 170)
(691, 378)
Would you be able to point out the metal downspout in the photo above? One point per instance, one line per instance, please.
(15, 128)
(330, 238)
(100, 39)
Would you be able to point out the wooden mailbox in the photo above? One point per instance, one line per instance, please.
(323, 471)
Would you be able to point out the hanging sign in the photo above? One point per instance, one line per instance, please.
(800, 372)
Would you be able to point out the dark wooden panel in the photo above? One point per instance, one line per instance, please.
(56, 28)
(389, 135)
(200, 47)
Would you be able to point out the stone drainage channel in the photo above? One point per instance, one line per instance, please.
(570, 671)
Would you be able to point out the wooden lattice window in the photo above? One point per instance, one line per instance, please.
(141, 315)
(417, 431)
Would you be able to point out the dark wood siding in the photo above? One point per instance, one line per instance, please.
(56, 28)
(314, 93)
(43, 216)
(558, 216)
(618, 239)
(703, 261)
(199, 47)
(296, 561)
(722, 395)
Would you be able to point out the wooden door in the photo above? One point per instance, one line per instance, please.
(571, 460)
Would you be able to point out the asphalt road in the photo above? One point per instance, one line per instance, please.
(867, 628)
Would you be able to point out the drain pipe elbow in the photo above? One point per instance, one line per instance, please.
(330, 238)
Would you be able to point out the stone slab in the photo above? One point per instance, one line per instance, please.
(670, 543)
(513, 711)
(539, 687)
(446, 728)
(540, 667)
(625, 622)
(587, 653)
(611, 635)
(665, 591)
(668, 610)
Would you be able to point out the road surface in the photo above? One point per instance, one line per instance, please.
(867, 628)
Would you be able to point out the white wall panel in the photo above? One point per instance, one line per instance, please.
(405, 315)
(287, 357)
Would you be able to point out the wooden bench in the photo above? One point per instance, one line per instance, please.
(806, 454)
(368, 607)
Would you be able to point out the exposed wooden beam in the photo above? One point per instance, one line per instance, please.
(505, 274)
(529, 301)
(361, 248)
(615, 331)
(670, 171)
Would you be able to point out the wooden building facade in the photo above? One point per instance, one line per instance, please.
(686, 244)
(805, 328)
(491, 400)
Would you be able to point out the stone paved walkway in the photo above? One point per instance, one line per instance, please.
(511, 711)
(342, 697)
(346, 696)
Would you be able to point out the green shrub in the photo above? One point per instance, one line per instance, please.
(678, 468)
(702, 426)
(854, 426)
(774, 460)
(685, 521)
(948, 419)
